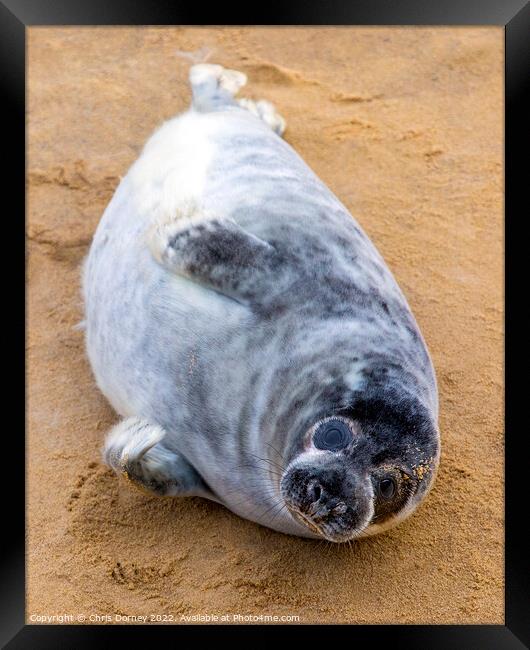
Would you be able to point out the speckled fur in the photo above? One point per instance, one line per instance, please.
(233, 301)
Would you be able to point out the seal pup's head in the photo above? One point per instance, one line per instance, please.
(362, 469)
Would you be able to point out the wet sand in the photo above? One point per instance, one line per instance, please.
(405, 126)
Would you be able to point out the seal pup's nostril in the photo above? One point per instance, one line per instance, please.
(314, 491)
(321, 501)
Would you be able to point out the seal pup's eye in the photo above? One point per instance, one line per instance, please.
(332, 435)
(386, 488)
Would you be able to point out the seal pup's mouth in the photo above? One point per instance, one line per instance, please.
(306, 521)
(331, 528)
(326, 530)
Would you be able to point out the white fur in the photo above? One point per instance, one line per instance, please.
(170, 175)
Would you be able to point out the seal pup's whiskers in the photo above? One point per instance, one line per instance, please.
(271, 462)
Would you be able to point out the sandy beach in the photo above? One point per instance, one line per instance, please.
(405, 126)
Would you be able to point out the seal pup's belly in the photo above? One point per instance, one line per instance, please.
(231, 301)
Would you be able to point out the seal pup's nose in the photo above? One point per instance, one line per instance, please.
(321, 501)
(318, 493)
(332, 500)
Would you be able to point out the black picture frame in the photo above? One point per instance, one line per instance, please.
(514, 15)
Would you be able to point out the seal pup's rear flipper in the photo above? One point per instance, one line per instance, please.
(134, 449)
(214, 87)
(221, 255)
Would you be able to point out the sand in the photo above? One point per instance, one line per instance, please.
(405, 126)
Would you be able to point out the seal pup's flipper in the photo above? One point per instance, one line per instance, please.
(213, 86)
(266, 112)
(219, 254)
(134, 449)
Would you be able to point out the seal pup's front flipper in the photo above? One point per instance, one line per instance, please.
(219, 254)
(134, 449)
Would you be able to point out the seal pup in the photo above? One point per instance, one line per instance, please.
(252, 338)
